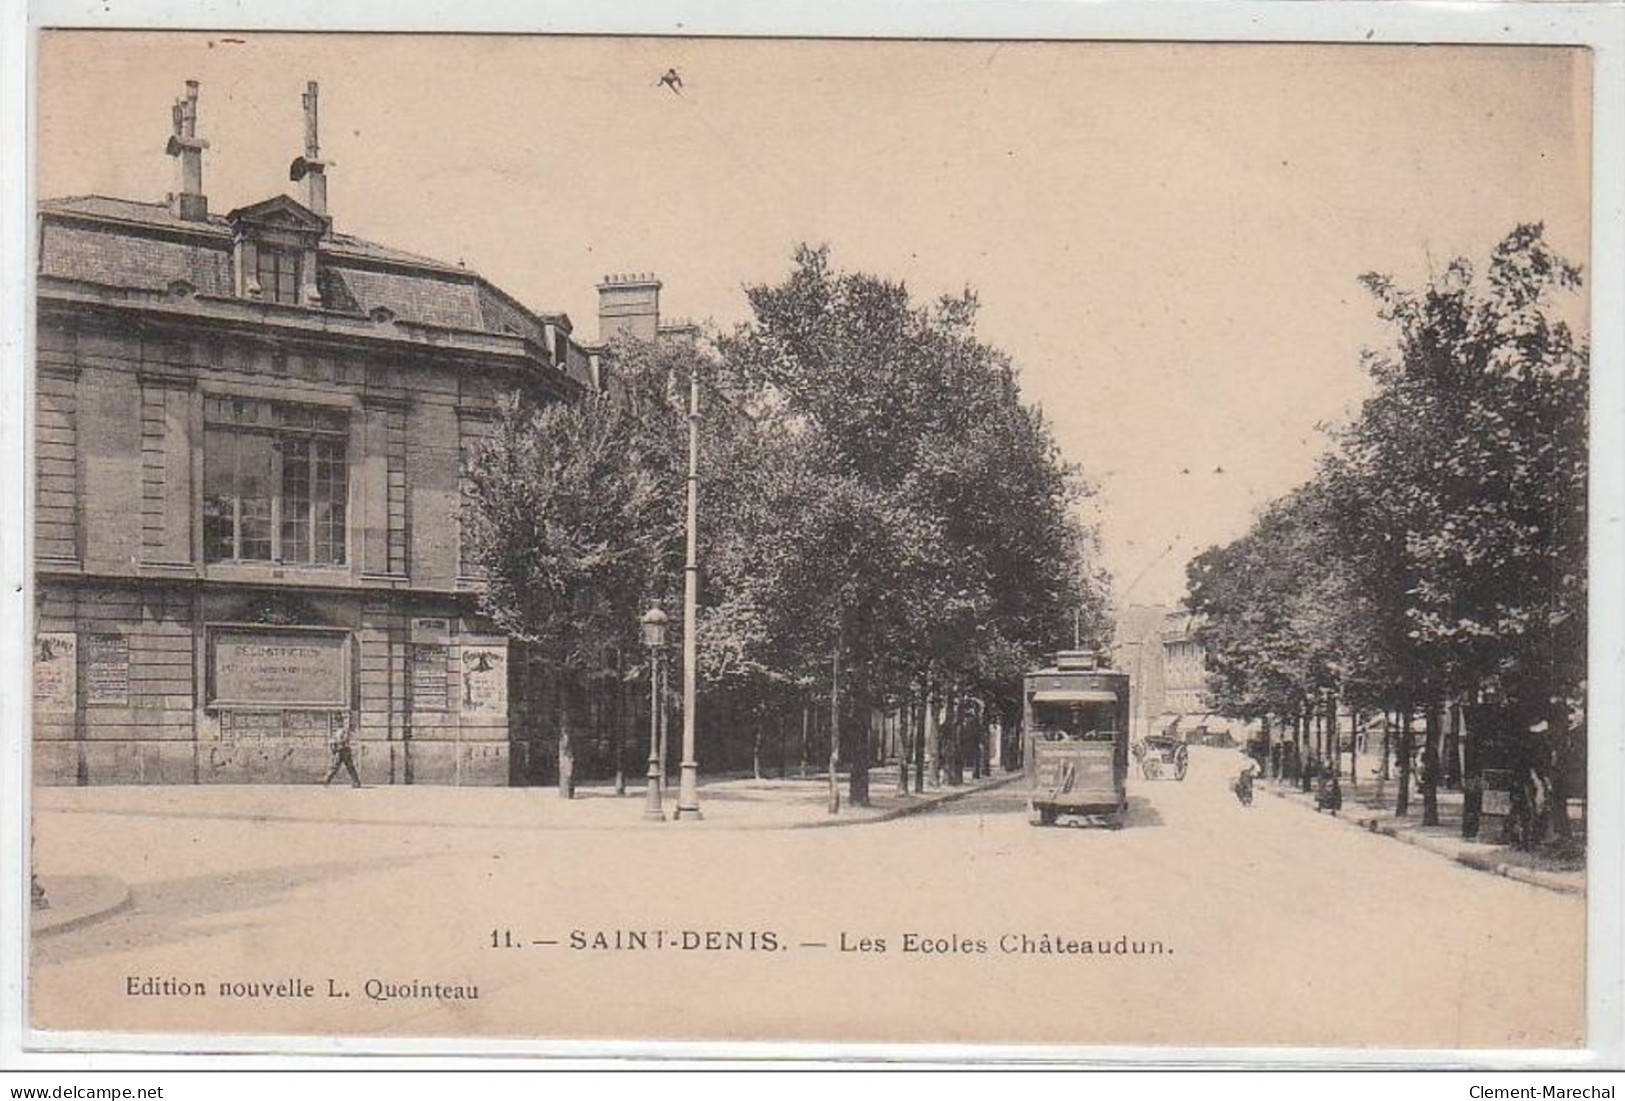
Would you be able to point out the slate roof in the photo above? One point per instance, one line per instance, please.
(144, 246)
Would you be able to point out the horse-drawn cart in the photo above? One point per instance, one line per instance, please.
(1161, 757)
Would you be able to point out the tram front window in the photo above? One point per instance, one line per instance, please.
(1092, 722)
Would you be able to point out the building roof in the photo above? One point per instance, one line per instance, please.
(145, 246)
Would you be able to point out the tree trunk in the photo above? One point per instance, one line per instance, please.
(806, 739)
(567, 750)
(1430, 767)
(1402, 802)
(933, 742)
(1451, 777)
(905, 725)
(615, 696)
(922, 719)
(954, 773)
(1334, 735)
(1387, 746)
(1472, 780)
(858, 784)
(784, 760)
(756, 752)
(1307, 756)
(1318, 728)
(835, 732)
(978, 761)
(1354, 748)
(1557, 786)
(1009, 726)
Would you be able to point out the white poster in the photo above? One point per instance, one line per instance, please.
(485, 681)
(56, 668)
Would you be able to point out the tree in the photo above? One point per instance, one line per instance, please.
(1439, 553)
(926, 533)
(1477, 432)
(574, 520)
(882, 517)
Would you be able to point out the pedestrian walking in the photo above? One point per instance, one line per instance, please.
(338, 745)
(1330, 795)
(1243, 786)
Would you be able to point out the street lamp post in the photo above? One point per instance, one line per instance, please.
(654, 637)
(688, 795)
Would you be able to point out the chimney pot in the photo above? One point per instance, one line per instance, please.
(310, 167)
(187, 201)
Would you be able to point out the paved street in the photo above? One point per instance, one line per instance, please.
(1207, 923)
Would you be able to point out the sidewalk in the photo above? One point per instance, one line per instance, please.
(730, 803)
(1370, 805)
(726, 804)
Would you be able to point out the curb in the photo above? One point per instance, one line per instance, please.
(1476, 861)
(845, 818)
(88, 898)
(926, 803)
(1532, 876)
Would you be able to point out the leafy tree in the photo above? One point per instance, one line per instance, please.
(1440, 553)
(928, 535)
(881, 515)
(574, 518)
(1477, 433)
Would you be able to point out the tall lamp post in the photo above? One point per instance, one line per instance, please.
(654, 637)
(688, 795)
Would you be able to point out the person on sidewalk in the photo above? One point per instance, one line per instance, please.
(338, 745)
(1330, 795)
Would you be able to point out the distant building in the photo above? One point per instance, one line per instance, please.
(247, 532)
(1138, 651)
(1184, 671)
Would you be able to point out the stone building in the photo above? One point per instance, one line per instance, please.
(247, 465)
(1138, 651)
(1184, 669)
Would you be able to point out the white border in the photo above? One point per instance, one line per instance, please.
(1601, 26)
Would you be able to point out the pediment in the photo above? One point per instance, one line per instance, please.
(278, 213)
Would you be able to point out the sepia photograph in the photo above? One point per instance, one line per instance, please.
(1000, 543)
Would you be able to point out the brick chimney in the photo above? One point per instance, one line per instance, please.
(188, 201)
(310, 167)
(628, 304)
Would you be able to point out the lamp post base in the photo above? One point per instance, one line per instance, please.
(652, 811)
(688, 795)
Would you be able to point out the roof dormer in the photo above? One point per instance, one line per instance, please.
(275, 245)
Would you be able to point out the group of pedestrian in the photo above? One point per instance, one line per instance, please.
(1307, 771)
(1287, 762)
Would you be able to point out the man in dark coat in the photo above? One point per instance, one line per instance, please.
(338, 744)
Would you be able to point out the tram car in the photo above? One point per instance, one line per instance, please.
(1075, 719)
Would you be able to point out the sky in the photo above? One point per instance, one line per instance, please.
(1166, 238)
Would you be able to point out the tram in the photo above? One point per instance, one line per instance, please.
(1075, 722)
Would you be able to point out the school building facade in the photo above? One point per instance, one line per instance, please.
(250, 433)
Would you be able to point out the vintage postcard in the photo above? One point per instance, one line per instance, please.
(1010, 543)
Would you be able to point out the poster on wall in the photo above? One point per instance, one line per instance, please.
(485, 681)
(56, 672)
(280, 667)
(107, 670)
(429, 677)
